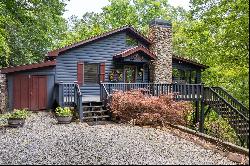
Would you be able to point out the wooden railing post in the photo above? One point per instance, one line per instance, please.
(101, 92)
(75, 92)
(80, 108)
(61, 96)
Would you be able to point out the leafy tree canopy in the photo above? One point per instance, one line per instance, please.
(28, 28)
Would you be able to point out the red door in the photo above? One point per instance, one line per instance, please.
(21, 92)
(30, 92)
(38, 100)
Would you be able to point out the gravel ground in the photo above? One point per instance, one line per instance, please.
(42, 141)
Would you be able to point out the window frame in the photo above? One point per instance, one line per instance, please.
(97, 74)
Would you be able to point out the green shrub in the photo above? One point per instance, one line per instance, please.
(219, 127)
(17, 114)
(63, 111)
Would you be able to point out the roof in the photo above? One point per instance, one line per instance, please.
(190, 62)
(28, 67)
(133, 50)
(128, 29)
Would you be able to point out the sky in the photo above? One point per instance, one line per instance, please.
(79, 7)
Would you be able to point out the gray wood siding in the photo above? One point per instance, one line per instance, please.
(96, 52)
(49, 72)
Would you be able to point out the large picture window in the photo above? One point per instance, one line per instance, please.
(91, 73)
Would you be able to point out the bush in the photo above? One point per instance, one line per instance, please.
(148, 110)
(17, 114)
(219, 127)
(63, 111)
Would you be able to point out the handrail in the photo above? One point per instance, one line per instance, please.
(241, 131)
(233, 100)
(105, 90)
(221, 98)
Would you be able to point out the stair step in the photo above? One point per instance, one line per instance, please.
(227, 113)
(85, 112)
(96, 117)
(238, 120)
(240, 125)
(93, 106)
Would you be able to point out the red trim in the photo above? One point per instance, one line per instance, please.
(56, 52)
(134, 50)
(80, 72)
(102, 72)
(28, 67)
(190, 61)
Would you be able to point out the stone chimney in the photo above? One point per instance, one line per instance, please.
(160, 33)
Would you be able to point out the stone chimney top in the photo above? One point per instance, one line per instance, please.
(160, 22)
(160, 33)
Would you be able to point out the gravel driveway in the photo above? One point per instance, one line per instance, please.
(42, 141)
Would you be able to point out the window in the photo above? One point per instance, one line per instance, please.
(176, 74)
(131, 41)
(116, 75)
(91, 73)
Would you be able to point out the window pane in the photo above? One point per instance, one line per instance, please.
(91, 73)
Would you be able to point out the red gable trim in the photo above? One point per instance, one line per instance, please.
(190, 62)
(94, 38)
(28, 67)
(134, 50)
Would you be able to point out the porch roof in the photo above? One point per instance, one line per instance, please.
(189, 61)
(134, 50)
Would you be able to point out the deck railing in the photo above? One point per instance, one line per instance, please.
(69, 95)
(191, 92)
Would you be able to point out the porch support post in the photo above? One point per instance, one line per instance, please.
(202, 115)
(202, 118)
(196, 116)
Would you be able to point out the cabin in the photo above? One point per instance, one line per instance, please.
(120, 56)
(85, 74)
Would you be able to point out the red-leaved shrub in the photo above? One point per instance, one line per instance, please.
(148, 110)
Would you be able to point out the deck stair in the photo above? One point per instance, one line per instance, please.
(94, 111)
(230, 109)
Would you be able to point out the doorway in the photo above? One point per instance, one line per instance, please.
(130, 73)
(30, 92)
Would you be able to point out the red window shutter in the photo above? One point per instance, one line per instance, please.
(80, 72)
(102, 72)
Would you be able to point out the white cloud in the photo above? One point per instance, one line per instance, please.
(181, 3)
(79, 7)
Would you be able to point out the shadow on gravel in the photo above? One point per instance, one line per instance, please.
(95, 123)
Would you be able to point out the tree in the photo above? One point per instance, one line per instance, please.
(216, 34)
(28, 28)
